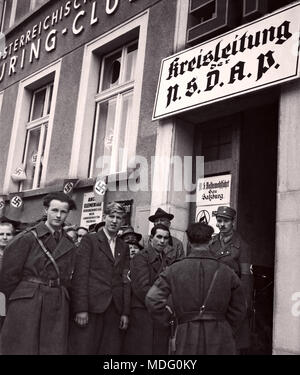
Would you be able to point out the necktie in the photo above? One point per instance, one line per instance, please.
(56, 236)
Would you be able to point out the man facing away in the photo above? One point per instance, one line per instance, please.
(208, 300)
(100, 293)
(36, 272)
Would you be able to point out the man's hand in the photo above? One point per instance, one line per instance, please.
(82, 318)
(124, 322)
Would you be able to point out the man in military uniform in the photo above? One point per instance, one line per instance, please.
(35, 278)
(229, 247)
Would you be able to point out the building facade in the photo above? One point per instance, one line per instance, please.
(80, 85)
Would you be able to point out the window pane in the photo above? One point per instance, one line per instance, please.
(6, 12)
(38, 104)
(131, 62)
(42, 157)
(105, 133)
(31, 157)
(23, 7)
(124, 126)
(112, 69)
(37, 3)
(50, 99)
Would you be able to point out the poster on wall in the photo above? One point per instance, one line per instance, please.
(212, 192)
(92, 211)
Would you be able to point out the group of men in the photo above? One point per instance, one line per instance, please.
(113, 295)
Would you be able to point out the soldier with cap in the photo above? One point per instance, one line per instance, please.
(174, 249)
(229, 247)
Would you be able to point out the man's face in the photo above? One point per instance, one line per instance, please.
(6, 234)
(80, 233)
(113, 222)
(224, 224)
(160, 240)
(163, 220)
(57, 213)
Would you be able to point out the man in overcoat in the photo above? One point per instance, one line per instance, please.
(35, 276)
(100, 293)
(230, 248)
(145, 336)
(208, 300)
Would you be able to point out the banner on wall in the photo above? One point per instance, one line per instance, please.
(212, 192)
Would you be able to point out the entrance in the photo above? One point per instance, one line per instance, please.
(244, 146)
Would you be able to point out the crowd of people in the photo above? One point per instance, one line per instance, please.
(107, 290)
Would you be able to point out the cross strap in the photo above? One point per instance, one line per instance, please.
(47, 252)
(203, 307)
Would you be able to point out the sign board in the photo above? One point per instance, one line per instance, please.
(261, 54)
(92, 211)
(212, 192)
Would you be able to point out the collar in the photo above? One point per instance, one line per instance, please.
(41, 229)
(110, 238)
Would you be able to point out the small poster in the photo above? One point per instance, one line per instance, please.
(212, 192)
(92, 211)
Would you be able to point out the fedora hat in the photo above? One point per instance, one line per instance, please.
(129, 230)
(96, 226)
(224, 211)
(159, 214)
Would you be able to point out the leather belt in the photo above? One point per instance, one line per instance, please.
(52, 283)
(196, 315)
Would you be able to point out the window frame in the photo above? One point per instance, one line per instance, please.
(119, 92)
(35, 81)
(42, 124)
(135, 28)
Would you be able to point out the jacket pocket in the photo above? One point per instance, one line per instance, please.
(23, 291)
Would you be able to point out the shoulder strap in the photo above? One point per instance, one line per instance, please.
(203, 307)
(47, 252)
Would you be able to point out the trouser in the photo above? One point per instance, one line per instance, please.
(101, 335)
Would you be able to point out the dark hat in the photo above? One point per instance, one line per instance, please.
(96, 226)
(129, 230)
(5, 219)
(225, 211)
(159, 214)
(135, 243)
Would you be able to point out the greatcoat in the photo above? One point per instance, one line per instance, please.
(144, 335)
(188, 282)
(236, 253)
(37, 319)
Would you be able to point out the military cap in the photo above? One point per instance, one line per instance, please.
(225, 211)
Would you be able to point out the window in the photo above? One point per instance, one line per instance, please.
(217, 144)
(32, 128)
(114, 108)
(108, 108)
(14, 10)
(36, 133)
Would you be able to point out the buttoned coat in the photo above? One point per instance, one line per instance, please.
(144, 336)
(99, 278)
(236, 253)
(37, 318)
(188, 282)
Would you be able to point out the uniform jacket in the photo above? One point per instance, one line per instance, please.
(37, 315)
(188, 281)
(236, 253)
(99, 278)
(144, 336)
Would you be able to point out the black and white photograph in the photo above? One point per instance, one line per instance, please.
(149, 180)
